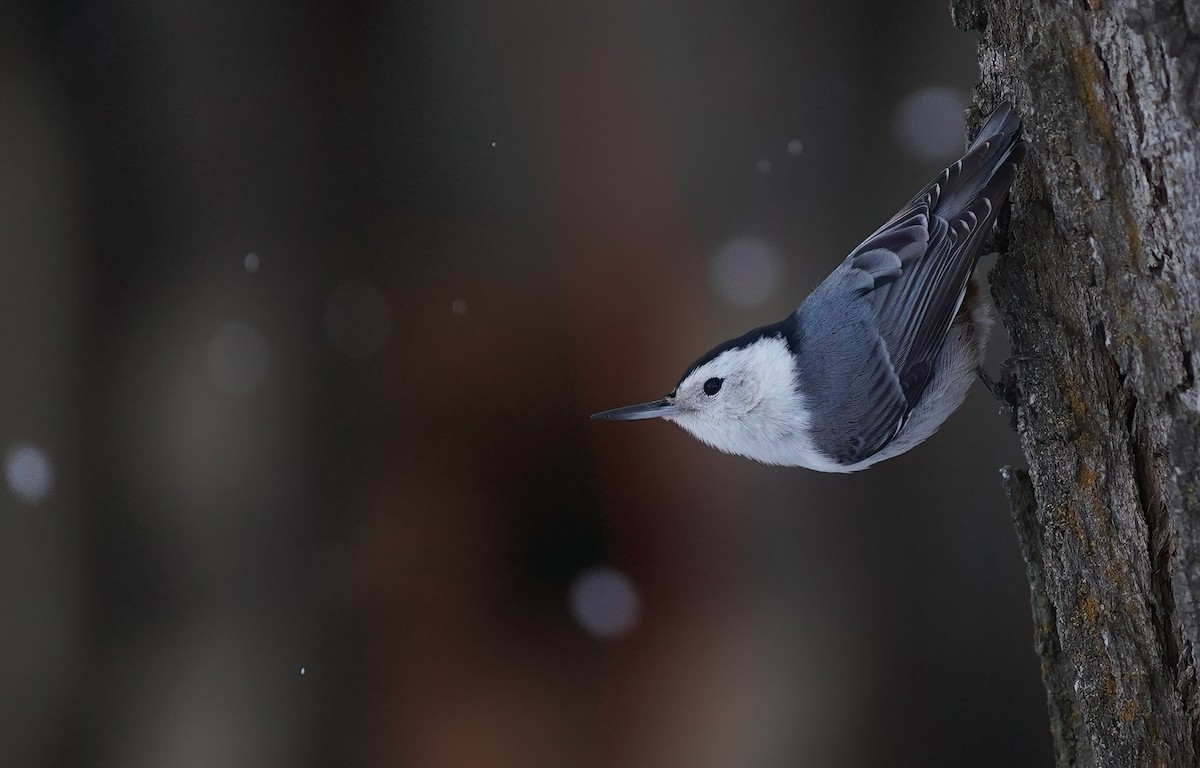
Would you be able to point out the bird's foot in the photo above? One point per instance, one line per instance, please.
(1005, 389)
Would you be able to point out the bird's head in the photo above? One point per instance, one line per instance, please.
(740, 397)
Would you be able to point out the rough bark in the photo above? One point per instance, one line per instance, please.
(1099, 287)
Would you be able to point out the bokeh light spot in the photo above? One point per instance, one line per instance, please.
(459, 307)
(605, 602)
(795, 147)
(238, 359)
(29, 473)
(746, 270)
(251, 262)
(357, 319)
(930, 124)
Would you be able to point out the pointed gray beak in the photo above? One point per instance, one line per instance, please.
(655, 409)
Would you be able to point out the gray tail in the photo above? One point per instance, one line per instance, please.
(987, 169)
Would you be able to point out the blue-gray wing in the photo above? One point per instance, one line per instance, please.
(912, 273)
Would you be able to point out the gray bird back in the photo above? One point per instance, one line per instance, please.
(870, 334)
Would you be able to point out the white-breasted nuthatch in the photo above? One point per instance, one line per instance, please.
(881, 353)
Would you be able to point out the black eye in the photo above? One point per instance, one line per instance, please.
(713, 386)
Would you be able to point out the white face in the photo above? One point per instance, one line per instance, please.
(744, 401)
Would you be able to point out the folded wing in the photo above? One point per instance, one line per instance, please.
(914, 272)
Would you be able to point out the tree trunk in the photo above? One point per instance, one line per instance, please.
(1099, 287)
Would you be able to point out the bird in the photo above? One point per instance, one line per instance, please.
(881, 352)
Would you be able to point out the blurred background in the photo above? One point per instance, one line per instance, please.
(303, 309)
